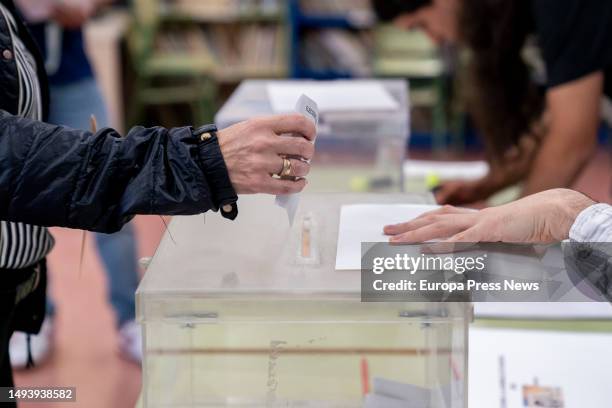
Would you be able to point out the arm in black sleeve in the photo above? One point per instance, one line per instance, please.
(574, 36)
(55, 176)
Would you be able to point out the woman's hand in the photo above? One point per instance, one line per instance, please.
(540, 218)
(253, 152)
(512, 168)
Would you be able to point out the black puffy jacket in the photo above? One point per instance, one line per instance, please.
(55, 176)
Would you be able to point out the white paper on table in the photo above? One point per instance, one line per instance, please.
(332, 96)
(446, 170)
(580, 364)
(364, 223)
(309, 109)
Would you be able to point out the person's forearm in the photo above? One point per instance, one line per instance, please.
(574, 111)
(558, 163)
(55, 176)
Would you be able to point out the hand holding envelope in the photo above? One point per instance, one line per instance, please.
(255, 153)
(309, 109)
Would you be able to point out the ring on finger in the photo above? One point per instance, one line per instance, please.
(287, 168)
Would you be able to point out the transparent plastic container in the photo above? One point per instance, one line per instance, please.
(252, 313)
(356, 150)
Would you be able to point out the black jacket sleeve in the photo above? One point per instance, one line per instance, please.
(55, 176)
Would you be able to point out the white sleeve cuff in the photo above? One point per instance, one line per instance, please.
(593, 224)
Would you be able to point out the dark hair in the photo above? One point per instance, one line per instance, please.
(387, 10)
(501, 97)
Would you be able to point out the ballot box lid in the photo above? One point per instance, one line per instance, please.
(260, 254)
(349, 119)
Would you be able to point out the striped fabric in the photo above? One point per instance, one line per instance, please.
(23, 245)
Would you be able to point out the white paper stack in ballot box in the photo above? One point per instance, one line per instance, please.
(363, 127)
(254, 313)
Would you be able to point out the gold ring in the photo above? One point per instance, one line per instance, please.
(286, 171)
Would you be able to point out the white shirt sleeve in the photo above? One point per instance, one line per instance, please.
(593, 224)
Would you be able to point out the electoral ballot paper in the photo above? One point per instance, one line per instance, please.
(310, 110)
(364, 223)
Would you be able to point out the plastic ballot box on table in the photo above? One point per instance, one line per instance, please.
(253, 313)
(363, 127)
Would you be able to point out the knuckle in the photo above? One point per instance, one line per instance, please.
(303, 125)
(460, 237)
(305, 168)
(447, 208)
(308, 150)
(302, 148)
(262, 143)
(300, 121)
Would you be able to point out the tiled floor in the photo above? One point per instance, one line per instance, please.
(85, 353)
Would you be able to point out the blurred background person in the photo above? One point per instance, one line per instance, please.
(543, 141)
(57, 27)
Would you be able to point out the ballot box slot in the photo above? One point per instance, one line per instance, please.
(307, 252)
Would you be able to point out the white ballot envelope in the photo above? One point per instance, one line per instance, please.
(310, 110)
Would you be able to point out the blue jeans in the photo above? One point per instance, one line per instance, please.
(72, 105)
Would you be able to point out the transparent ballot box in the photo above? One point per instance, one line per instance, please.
(359, 148)
(252, 313)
